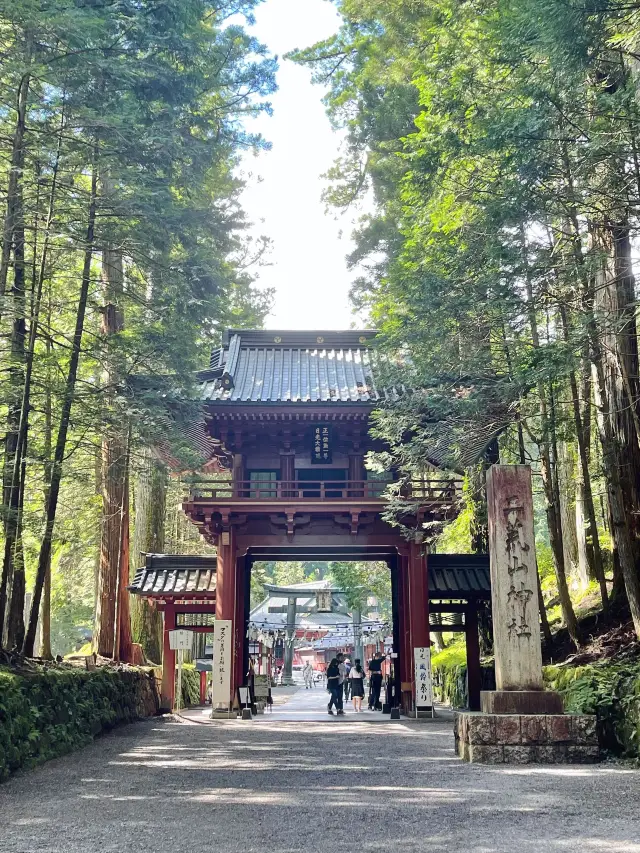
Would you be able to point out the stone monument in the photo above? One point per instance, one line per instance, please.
(519, 722)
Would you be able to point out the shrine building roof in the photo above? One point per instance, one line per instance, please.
(458, 576)
(450, 576)
(175, 575)
(270, 366)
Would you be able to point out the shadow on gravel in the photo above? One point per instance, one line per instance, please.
(285, 787)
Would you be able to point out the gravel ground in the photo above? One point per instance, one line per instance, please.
(280, 787)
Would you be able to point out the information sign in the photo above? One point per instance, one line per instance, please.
(261, 686)
(180, 639)
(221, 664)
(423, 677)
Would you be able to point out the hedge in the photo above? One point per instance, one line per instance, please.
(190, 686)
(611, 691)
(450, 676)
(49, 712)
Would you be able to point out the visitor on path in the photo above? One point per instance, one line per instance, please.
(307, 674)
(375, 680)
(356, 680)
(343, 671)
(335, 688)
(347, 682)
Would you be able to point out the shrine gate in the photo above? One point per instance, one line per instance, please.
(288, 414)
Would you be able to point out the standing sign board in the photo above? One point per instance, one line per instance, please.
(423, 678)
(180, 639)
(261, 686)
(221, 664)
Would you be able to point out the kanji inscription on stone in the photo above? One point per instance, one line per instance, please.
(514, 600)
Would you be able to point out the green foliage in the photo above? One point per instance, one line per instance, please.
(49, 713)
(450, 675)
(496, 140)
(361, 580)
(190, 686)
(609, 690)
(153, 98)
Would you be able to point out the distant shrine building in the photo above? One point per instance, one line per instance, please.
(288, 414)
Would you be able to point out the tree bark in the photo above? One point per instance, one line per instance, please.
(148, 538)
(114, 540)
(614, 308)
(13, 583)
(15, 173)
(549, 482)
(44, 559)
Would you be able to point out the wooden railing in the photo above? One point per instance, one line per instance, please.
(430, 491)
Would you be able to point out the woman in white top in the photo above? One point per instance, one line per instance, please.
(356, 677)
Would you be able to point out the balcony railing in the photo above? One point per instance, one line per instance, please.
(429, 491)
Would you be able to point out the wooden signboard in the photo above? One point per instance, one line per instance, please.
(321, 448)
(180, 639)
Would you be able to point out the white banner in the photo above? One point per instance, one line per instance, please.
(222, 648)
(424, 681)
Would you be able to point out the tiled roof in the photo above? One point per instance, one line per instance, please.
(458, 576)
(175, 575)
(292, 366)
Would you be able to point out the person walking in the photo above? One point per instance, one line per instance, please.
(307, 674)
(375, 680)
(347, 682)
(334, 687)
(356, 680)
(342, 667)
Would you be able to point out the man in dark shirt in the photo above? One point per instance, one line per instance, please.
(375, 680)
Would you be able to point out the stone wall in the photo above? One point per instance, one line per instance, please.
(526, 739)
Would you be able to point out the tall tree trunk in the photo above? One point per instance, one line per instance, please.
(45, 614)
(15, 173)
(44, 559)
(624, 546)
(589, 544)
(566, 468)
(15, 443)
(549, 482)
(112, 610)
(614, 307)
(148, 538)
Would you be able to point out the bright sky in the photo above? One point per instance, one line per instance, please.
(307, 262)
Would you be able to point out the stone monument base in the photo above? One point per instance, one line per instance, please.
(521, 702)
(526, 738)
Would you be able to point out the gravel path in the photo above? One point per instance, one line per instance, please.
(281, 787)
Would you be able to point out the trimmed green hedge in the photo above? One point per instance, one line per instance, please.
(611, 691)
(47, 713)
(190, 686)
(450, 676)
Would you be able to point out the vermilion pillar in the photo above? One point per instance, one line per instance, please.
(416, 605)
(239, 625)
(226, 590)
(404, 629)
(168, 660)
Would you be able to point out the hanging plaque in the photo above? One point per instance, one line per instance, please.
(321, 448)
(323, 600)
